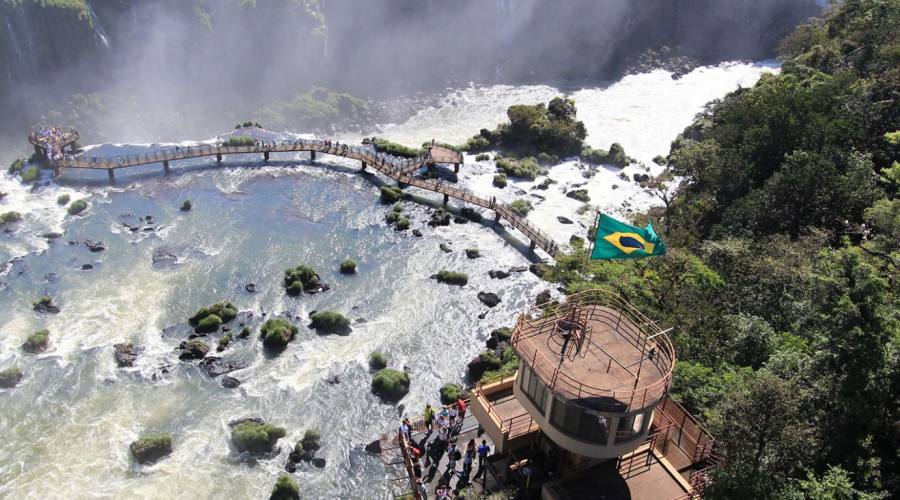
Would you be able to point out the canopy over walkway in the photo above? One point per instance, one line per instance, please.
(398, 169)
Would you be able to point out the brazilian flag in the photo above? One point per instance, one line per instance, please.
(617, 240)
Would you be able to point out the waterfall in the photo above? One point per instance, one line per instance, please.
(14, 42)
(95, 23)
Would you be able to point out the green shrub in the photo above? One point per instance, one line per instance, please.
(311, 439)
(10, 217)
(245, 332)
(500, 180)
(240, 140)
(477, 143)
(392, 148)
(532, 129)
(527, 168)
(77, 207)
(450, 393)
(285, 489)
(444, 145)
(473, 253)
(255, 437)
(30, 174)
(16, 166)
(223, 342)
(208, 324)
(277, 332)
(402, 224)
(37, 342)
(10, 377)
(452, 277)
(186, 206)
(377, 360)
(521, 207)
(248, 124)
(580, 195)
(299, 279)
(392, 217)
(545, 159)
(348, 267)
(615, 156)
(660, 160)
(222, 312)
(482, 157)
(390, 385)
(63, 199)
(390, 194)
(149, 449)
(330, 322)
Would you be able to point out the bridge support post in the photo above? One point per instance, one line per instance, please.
(531, 247)
(265, 156)
(496, 217)
(363, 167)
(219, 157)
(312, 155)
(111, 173)
(446, 199)
(456, 168)
(400, 185)
(166, 166)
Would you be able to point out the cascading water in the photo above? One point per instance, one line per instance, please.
(95, 23)
(14, 42)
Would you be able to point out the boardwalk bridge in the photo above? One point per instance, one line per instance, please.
(401, 170)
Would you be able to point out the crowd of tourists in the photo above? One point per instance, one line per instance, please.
(442, 427)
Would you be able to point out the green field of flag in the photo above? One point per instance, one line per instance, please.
(617, 240)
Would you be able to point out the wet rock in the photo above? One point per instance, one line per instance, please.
(460, 220)
(94, 245)
(193, 349)
(473, 253)
(51, 277)
(374, 448)
(51, 236)
(250, 287)
(537, 270)
(482, 315)
(640, 177)
(126, 354)
(149, 449)
(440, 217)
(163, 257)
(543, 297)
(471, 214)
(417, 233)
(230, 382)
(318, 462)
(45, 306)
(290, 467)
(215, 366)
(333, 380)
(498, 274)
(255, 420)
(87, 267)
(10, 377)
(564, 220)
(149, 229)
(489, 299)
(445, 248)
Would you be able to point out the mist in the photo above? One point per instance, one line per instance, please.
(166, 69)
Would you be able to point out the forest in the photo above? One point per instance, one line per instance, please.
(781, 279)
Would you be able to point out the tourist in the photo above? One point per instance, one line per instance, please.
(452, 454)
(420, 488)
(404, 428)
(461, 406)
(429, 417)
(483, 451)
(468, 459)
(454, 412)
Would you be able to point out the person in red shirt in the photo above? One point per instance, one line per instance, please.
(461, 406)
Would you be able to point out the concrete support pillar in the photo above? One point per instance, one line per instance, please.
(532, 245)
(431, 168)
(312, 155)
(111, 173)
(363, 167)
(496, 216)
(446, 199)
(265, 156)
(219, 157)
(456, 168)
(166, 166)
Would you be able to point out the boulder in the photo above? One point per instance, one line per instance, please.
(440, 217)
(150, 449)
(489, 299)
(460, 220)
(473, 253)
(390, 385)
(10, 377)
(230, 382)
(193, 349)
(498, 274)
(256, 436)
(94, 245)
(564, 220)
(499, 338)
(518, 269)
(318, 462)
(45, 305)
(250, 287)
(327, 322)
(163, 257)
(417, 233)
(215, 366)
(471, 214)
(482, 363)
(276, 333)
(450, 393)
(543, 297)
(285, 489)
(87, 267)
(445, 248)
(126, 354)
(374, 448)
(37, 342)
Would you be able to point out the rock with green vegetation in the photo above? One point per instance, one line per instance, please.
(440, 217)
(500, 180)
(209, 319)
(450, 393)
(245, 332)
(482, 157)
(10, 217)
(224, 342)
(471, 214)
(240, 140)
(614, 156)
(660, 160)
(527, 168)
(63, 199)
(391, 194)
(255, 436)
(533, 129)
(277, 333)
(30, 174)
(37, 342)
(330, 322)
(579, 194)
(392, 217)
(348, 267)
(521, 207)
(10, 377)
(547, 159)
(301, 279)
(16, 166)
(390, 385)
(186, 206)
(402, 224)
(77, 207)
(193, 349)
(509, 363)
(473, 253)
(285, 489)
(499, 337)
(451, 277)
(377, 361)
(486, 361)
(45, 305)
(150, 449)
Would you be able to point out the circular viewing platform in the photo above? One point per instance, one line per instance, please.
(596, 351)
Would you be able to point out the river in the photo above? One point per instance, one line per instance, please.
(67, 425)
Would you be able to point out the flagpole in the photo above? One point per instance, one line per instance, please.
(596, 228)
